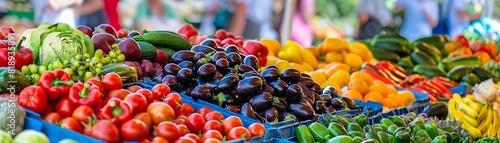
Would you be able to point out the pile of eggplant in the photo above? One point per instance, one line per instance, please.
(225, 77)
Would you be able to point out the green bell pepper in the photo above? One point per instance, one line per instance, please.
(384, 137)
(386, 122)
(358, 139)
(439, 139)
(453, 137)
(361, 120)
(336, 129)
(370, 141)
(432, 129)
(378, 127)
(341, 139)
(343, 121)
(401, 137)
(372, 134)
(398, 121)
(303, 134)
(414, 129)
(356, 134)
(419, 121)
(441, 132)
(318, 131)
(353, 126)
(392, 129)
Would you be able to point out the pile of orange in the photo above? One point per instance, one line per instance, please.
(362, 86)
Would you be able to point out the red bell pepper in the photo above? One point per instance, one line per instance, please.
(448, 83)
(15, 57)
(55, 83)
(252, 47)
(117, 111)
(85, 94)
(4, 44)
(378, 77)
(96, 82)
(445, 92)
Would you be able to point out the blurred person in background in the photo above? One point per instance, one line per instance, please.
(111, 11)
(156, 15)
(373, 16)
(52, 11)
(249, 18)
(91, 13)
(420, 16)
(460, 16)
(4, 7)
(302, 31)
(207, 23)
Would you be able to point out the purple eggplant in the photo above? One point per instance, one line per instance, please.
(272, 67)
(307, 81)
(185, 75)
(186, 90)
(247, 110)
(183, 55)
(349, 102)
(171, 81)
(212, 83)
(338, 103)
(207, 71)
(244, 68)
(325, 97)
(232, 71)
(210, 43)
(186, 64)
(285, 116)
(280, 88)
(269, 89)
(228, 83)
(330, 109)
(223, 99)
(331, 90)
(302, 111)
(199, 56)
(294, 93)
(171, 69)
(270, 114)
(217, 56)
(218, 75)
(280, 104)
(249, 86)
(290, 75)
(261, 101)
(249, 74)
(203, 92)
(222, 65)
(251, 61)
(307, 93)
(305, 75)
(232, 48)
(233, 108)
(234, 59)
(202, 48)
(317, 88)
(320, 107)
(271, 74)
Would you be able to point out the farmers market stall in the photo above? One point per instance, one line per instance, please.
(102, 85)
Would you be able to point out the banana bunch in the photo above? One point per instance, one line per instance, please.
(478, 118)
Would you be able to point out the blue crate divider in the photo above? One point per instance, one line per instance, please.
(281, 141)
(421, 101)
(371, 109)
(32, 121)
(56, 134)
(461, 89)
(287, 132)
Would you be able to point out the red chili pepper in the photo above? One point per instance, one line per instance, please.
(429, 90)
(379, 77)
(432, 96)
(445, 91)
(388, 74)
(55, 83)
(252, 47)
(85, 94)
(445, 81)
(117, 111)
(391, 66)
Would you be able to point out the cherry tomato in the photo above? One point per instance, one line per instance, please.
(204, 111)
(146, 118)
(257, 129)
(119, 93)
(187, 109)
(159, 140)
(112, 81)
(106, 131)
(53, 118)
(220, 34)
(214, 115)
(212, 125)
(160, 111)
(238, 133)
(195, 122)
(167, 130)
(159, 91)
(138, 102)
(185, 140)
(82, 112)
(230, 123)
(212, 134)
(211, 140)
(183, 130)
(148, 94)
(72, 124)
(226, 42)
(181, 119)
(134, 88)
(65, 107)
(134, 130)
(194, 137)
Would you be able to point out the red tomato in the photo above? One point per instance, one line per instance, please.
(167, 130)
(72, 124)
(53, 118)
(159, 140)
(175, 105)
(82, 112)
(176, 97)
(204, 111)
(159, 91)
(230, 123)
(239, 42)
(194, 137)
(185, 140)
(138, 102)
(187, 109)
(212, 125)
(119, 93)
(33, 98)
(181, 119)
(112, 81)
(134, 88)
(195, 122)
(211, 140)
(146, 118)
(65, 107)
(160, 111)
(220, 34)
(238, 133)
(230, 35)
(148, 94)
(134, 130)
(257, 129)
(106, 131)
(212, 134)
(183, 130)
(188, 30)
(214, 115)
(226, 42)
(122, 33)
(192, 39)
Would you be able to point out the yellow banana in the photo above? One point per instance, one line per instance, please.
(469, 120)
(452, 110)
(495, 123)
(464, 107)
(482, 114)
(474, 105)
(486, 122)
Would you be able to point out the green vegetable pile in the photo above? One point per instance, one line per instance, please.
(51, 42)
(394, 129)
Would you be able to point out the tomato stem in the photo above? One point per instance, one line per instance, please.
(84, 92)
(117, 111)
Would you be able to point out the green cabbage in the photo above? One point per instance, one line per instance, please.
(50, 42)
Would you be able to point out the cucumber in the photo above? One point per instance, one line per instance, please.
(390, 38)
(394, 47)
(420, 57)
(148, 50)
(431, 50)
(381, 54)
(428, 70)
(7, 75)
(458, 72)
(127, 74)
(471, 78)
(165, 39)
(484, 74)
(468, 61)
(405, 62)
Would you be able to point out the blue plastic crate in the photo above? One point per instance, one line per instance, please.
(32, 121)
(287, 132)
(374, 107)
(281, 141)
(461, 89)
(56, 134)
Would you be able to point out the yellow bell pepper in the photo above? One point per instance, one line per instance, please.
(308, 57)
(291, 52)
(271, 44)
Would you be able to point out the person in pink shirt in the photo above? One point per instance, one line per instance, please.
(302, 31)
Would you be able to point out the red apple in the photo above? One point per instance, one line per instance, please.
(85, 29)
(106, 28)
(158, 69)
(148, 68)
(103, 41)
(130, 49)
(161, 57)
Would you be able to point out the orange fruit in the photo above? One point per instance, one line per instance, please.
(399, 101)
(363, 76)
(359, 85)
(389, 103)
(485, 57)
(333, 57)
(297, 66)
(407, 96)
(382, 89)
(373, 96)
(466, 51)
(353, 94)
(318, 77)
(391, 90)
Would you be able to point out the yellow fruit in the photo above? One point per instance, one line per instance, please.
(379, 82)
(391, 90)
(308, 57)
(389, 103)
(353, 94)
(271, 44)
(297, 66)
(361, 50)
(291, 52)
(353, 60)
(398, 100)
(341, 78)
(359, 85)
(315, 51)
(307, 67)
(333, 57)
(271, 60)
(261, 68)
(382, 89)
(318, 77)
(373, 96)
(333, 44)
(450, 46)
(363, 76)
(407, 96)
(282, 65)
